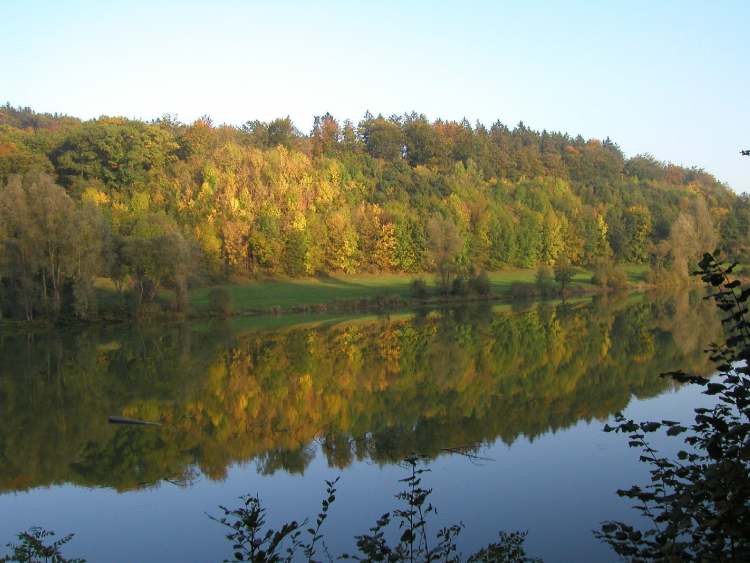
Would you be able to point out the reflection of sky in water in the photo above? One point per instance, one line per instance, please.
(558, 487)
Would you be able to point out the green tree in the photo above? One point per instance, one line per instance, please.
(421, 140)
(158, 256)
(295, 253)
(691, 234)
(47, 242)
(268, 135)
(564, 272)
(325, 136)
(120, 153)
(443, 244)
(382, 137)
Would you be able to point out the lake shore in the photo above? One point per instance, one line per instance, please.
(334, 294)
(372, 292)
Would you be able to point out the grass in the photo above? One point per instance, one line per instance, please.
(636, 272)
(287, 294)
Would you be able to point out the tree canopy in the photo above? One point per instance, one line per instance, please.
(267, 199)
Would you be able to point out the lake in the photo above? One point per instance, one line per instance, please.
(506, 404)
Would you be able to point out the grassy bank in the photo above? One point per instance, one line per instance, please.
(284, 295)
(320, 298)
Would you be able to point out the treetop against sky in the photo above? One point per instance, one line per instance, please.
(665, 78)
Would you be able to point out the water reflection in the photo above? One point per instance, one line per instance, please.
(376, 389)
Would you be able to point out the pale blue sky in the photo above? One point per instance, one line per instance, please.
(669, 78)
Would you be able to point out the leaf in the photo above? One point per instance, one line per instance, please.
(716, 279)
(650, 426)
(714, 450)
(675, 430)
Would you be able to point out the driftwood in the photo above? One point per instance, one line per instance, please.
(135, 421)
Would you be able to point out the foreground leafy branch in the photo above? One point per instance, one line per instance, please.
(253, 541)
(32, 547)
(698, 503)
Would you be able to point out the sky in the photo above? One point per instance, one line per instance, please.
(668, 78)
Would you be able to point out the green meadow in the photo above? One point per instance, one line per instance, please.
(287, 294)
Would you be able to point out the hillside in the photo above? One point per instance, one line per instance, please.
(169, 204)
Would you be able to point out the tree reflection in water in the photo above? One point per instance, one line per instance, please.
(377, 389)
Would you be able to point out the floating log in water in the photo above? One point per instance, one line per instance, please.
(125, 420)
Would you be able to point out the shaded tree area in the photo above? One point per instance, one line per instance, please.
(376, 390)
(51, 249)
(182, 204)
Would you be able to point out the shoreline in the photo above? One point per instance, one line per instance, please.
(378, 303)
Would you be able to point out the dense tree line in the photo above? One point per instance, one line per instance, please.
(164, 203)
(377, 390)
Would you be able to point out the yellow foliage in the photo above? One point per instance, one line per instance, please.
(95, 196)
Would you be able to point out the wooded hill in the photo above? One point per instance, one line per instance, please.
(164, 203)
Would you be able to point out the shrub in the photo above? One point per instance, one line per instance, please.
(33, 547)
(523, 290)
(145, 310)
(419, 289)
(480, 284)
(459, 286)
(564, 272)
(384, 301)
(408, 524)
(545, 280)
(608, 274)
(618, 278)
(664, 277)
(220, 302)
(600, 274)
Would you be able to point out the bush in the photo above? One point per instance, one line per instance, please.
(220, 302)
(664, 276)
(33, 546)
(459, 286)
(523, 290)
(618, 278)
(608, 274)
(564, 272)
(545, 280)
(480, 284)
(142, 310)
(419, 289)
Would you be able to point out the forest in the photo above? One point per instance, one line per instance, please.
(164, 206)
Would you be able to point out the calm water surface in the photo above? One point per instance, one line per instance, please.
(276, 411)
